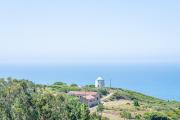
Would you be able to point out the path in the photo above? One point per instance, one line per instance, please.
(93, 109)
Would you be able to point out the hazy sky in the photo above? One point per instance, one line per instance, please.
(89, 31)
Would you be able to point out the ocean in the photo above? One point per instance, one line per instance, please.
(158, 80)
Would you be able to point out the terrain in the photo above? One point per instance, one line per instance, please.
(24, 100)
(120, 104)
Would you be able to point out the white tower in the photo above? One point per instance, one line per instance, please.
(99, 82)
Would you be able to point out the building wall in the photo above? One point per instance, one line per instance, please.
(91, 102)
(99, 83)
(94, 102)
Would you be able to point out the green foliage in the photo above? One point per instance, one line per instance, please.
(155, 116)
(169, 108)
(119, 95)
(23, 100)
(74, 85)
(102, 91)
(136, 103)
(126, 114)
(91, 86)
(95, 116)
(138, 117)
(100, 107)
(175, 114)
(62, 87)
(59, 83)
(131, 95)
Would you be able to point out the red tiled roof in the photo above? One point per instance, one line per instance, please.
(89, 97)
(82, 93)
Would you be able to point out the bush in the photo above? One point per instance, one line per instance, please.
(102, 91)
(172, 114)
(59, 83)
(74, 85)
(118, 96)
(136, 103)
(95, 116)
(126, 114)
(155, 116)
(100, 107)
(91, 86)
(138, 117)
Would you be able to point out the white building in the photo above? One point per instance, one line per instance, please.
(89, 98)
(99, 82)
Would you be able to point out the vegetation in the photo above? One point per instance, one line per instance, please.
(155, 116)
(141, 106)
(100, 109)
(136, 103)
(74, 85)
(126, 114)
(23, 100)
(63, 87)
(95, 116)
(103, 91)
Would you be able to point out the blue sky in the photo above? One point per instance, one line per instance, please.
(89, 31)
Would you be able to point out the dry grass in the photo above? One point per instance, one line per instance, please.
(114, 108)
(118, 105)
(125, 107)
(112, 115)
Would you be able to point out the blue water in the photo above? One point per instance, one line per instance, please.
(162, 81)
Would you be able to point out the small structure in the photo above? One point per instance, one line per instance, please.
(89, 98)
(99, 82)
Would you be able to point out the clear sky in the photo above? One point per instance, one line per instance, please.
(89, 31)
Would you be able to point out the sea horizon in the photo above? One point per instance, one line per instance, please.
(157, 80)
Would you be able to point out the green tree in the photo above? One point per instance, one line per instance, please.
(84, 112)
(102, 91)
(59, 83)
(22, 100)
(74, 85)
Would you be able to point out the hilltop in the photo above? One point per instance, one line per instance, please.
(126, 104)
(24, 100)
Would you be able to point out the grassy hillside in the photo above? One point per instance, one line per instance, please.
(132, 105)
(126, 104)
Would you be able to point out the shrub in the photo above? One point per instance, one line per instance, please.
(100, 107)
(173, 114)
(138, 117)
(102, 91)
(95, 116)
(155, 116)
(59, 83)
(136, 103)
(91, 86)
(118, 96)
(126, 114)
(74, 85)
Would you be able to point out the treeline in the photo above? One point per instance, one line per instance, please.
(23, 100)
(63, 87)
